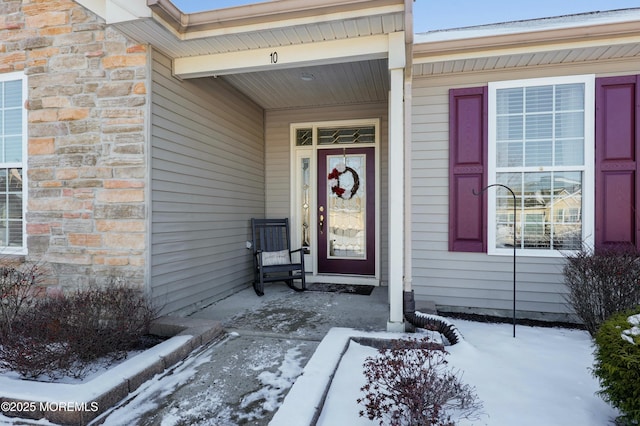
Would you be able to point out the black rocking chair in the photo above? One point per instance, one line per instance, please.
(272, 255)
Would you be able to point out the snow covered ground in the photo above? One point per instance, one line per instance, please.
(542, 377)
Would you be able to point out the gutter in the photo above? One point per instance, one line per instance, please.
(227, 19)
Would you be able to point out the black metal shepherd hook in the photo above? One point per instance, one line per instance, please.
(514, 244)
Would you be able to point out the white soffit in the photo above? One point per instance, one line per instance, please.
(251, 27)
(336, 84)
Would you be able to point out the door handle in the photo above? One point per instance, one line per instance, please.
(321, 217)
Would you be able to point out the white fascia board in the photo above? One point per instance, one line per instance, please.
(126, 10)
(273, 58)
(293, 22)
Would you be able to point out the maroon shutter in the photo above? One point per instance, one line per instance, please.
(617, 139)
(467, 169)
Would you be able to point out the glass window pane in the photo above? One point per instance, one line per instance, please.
(304, 137)
(13, 94)
(570, 97)
(509, 128)
(346, 209)
(567, 229)
(305, 208)
(539, 126)
(15, 233)
(568, 183)
(512, 180)
(537, 190)
(569, 152)
(11, 207)
(504, 208)
(13, 149)
(538, 153)
(509, 101)
(534, 234)
(11, 145)
(346, 135)
(539, 99)
(548, 214)
(509, 154)
(14, 183)
(14, 206)
(13, 121)
(536, 204)
(570, 125)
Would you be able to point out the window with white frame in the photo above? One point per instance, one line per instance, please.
(13, 136)
(541, 147)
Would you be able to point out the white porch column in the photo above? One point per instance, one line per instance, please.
(396, 181)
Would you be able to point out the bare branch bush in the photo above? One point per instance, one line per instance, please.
(17, 290)
(602, 283)
(64, 335)
(410, 384)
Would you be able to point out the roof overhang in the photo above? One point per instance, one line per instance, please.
(481, 48)
(239, 19)
(260, 16)
(262, 48)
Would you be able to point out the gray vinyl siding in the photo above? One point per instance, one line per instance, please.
(207, 181)
(278, 146)
(473, 282)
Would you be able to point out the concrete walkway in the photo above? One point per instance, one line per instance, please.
(270, 339)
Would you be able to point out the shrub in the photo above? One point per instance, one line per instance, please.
(409, 384)
(64, 335)
(602, 283)
(617, 364)
(17, 284)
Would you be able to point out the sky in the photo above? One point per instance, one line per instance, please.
(430, 15)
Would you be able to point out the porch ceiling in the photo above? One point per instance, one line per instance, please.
(335, 84)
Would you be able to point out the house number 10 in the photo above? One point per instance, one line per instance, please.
(274, 57)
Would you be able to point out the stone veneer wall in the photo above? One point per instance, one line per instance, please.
(87, 107)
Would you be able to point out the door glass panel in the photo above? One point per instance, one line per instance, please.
(346, 135)
(304, 137)
(346, 206)
(305, 207)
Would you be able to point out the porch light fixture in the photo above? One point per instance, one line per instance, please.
(305, 76)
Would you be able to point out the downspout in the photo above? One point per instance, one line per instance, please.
(408, 297)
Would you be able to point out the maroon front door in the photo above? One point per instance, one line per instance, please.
(346, 211)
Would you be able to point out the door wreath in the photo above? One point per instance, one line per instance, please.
(334, 181)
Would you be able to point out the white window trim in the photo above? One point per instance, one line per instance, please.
(4, 250)
(588, 196)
